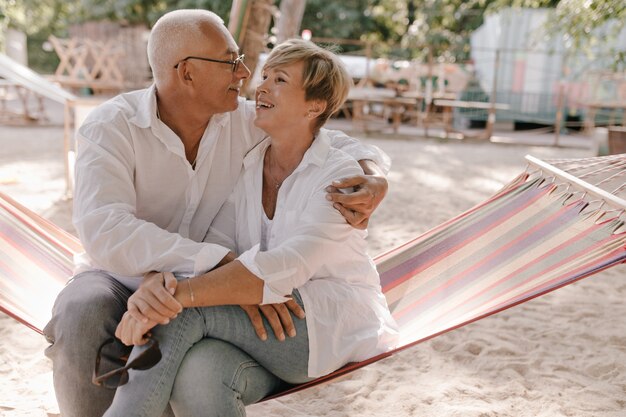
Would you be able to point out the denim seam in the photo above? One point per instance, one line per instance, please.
(157, 387)
(242, 367)
(233, 385)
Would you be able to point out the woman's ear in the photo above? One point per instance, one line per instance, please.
(317, 107)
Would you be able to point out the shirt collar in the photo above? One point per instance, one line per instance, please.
(315, 155)
(146, 109)
(317, 152)
(146, 114)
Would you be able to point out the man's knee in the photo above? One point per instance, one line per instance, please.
(90, 305)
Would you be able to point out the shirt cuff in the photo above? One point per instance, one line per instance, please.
(377, 155)
(209, 256)
(270, 296)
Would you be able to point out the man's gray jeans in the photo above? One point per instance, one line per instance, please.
(86, 314)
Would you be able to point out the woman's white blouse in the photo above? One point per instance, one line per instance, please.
(311, 248)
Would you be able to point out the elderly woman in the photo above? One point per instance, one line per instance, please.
(292, 244)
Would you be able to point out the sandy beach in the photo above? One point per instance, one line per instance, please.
(563, 354)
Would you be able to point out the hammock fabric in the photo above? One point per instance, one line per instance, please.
(529, 239)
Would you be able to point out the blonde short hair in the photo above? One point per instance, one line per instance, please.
(173, 33)
(324, 75)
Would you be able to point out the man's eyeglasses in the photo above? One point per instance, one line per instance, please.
(235, 63)
(118, 377)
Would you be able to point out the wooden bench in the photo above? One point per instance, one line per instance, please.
(364, 101)
(449, 105)
(11, 91)
(85, 63)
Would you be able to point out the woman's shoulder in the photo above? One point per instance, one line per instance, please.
(336, 165)
(341, 163)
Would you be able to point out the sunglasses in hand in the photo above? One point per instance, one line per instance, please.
(118, 377)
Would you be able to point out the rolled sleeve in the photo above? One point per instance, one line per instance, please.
(209, 256)
(272, 294)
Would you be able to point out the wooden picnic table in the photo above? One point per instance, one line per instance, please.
(363, 100)
(396, 105)
(10, 91)
(449, 105)
(594, 106)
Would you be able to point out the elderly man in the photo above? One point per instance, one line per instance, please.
(154, 166)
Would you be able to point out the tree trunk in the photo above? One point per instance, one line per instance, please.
(291, 13)
(249, 23)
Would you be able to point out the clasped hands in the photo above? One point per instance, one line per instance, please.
(154, 303)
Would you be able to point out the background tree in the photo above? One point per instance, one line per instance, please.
(38, 19)
(587, 25)
(146, 12)
(398, 28)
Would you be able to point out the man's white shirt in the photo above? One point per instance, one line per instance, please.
(139, 206)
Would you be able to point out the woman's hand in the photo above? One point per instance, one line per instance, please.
(278, 317)
(154, 299)
(357, 206)
(132, 331)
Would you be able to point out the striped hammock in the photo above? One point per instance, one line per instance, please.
(544, 230)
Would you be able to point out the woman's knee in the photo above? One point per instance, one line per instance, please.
(216, 375)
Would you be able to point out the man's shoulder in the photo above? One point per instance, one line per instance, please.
(121, 107)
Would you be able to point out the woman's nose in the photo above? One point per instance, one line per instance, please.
(262, 87)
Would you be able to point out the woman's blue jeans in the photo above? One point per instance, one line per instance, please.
(147, 393)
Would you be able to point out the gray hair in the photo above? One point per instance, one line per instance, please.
(172, 33)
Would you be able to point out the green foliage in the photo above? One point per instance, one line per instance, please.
(350, 19)
(406, 28)
(40, 60)
(585, 24)
(146, 11)
(444, 26)
(34, 16)
(41, 18)
(38, 19)
(399, 28)
(530, 4)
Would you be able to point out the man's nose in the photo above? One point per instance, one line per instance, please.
(243, 72)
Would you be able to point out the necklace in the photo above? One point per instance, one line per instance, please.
(277, 184)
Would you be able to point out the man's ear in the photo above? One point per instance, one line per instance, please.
(183, 72)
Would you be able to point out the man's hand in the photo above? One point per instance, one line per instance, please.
(278, 317)
(154, 299)
(131, 331)
(357, 206)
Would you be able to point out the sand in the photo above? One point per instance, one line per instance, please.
(563, 354)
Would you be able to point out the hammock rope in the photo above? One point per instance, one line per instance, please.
(603, 172)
